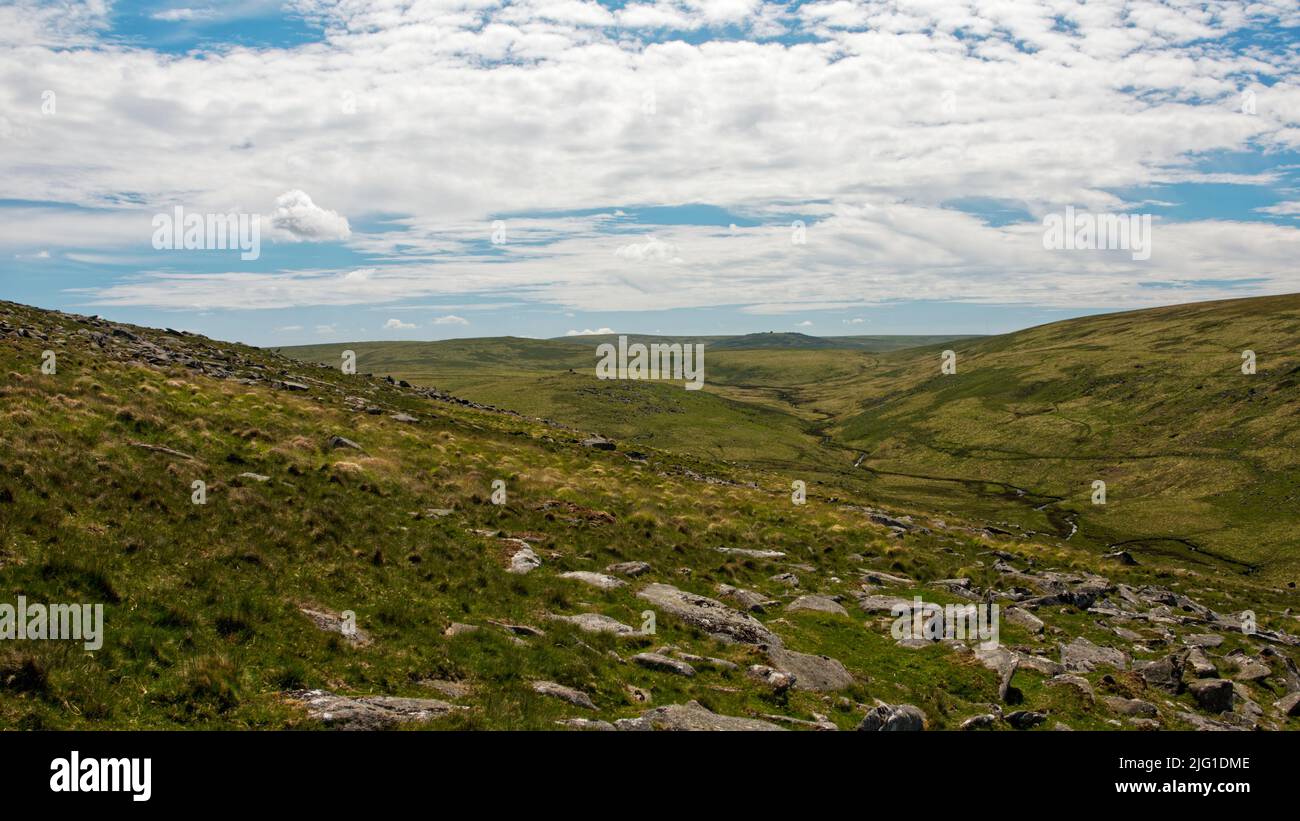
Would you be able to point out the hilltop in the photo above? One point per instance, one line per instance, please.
(349, 566)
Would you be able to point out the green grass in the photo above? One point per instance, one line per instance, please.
(203, 628)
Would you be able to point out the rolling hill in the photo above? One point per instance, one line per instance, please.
(276, 543)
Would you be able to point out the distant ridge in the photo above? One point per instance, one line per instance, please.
(785, 340)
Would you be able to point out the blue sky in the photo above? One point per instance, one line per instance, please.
(442, 169)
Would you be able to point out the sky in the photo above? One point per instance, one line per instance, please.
(431, 169)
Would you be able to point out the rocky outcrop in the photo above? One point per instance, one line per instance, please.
(709, 615)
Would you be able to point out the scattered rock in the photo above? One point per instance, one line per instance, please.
(596, 623)
(893, 718)
(1164, 674)
(335, 623)
(1082, 655)
(1022, 617)
(599, 443)
(1131, 706)
(572, 696)
(458, 629)
(751, 554)
(1025, 719)
(629, 568)
(748, 599)
(403, 417)
(779, 682)
(984, 721)
(450, 689)
(1079, 683)
(713, 617)
(1200, 664)
(1214, 695)
(1203, 640)
(819, 604)
(369, 712)
(599, 580)
(691, 717)
(663, 664)
(787, 579)
(585, 724)
(1289, 705)
(524, 561)
(819, 674)
(337, 442)
(256, 477)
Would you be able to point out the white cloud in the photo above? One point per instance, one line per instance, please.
(857, 320)
(590, 332)
(289, 328)
(181, 14)
(326, 330)
(1282, 209)
(1051, 104)
(298, 219)
(807, 323)
(450, 319)
(397, 325)
(652, 250)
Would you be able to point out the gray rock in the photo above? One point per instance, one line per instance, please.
(596, 623)
(599, 443)
(1023, 618)
(256, 477)
(629, 568)
(599, 580)
(818, 674)
(337, 442)
(819, 604)
(524, 561)
(1084, 656)
(779, 682)
(403, 417)
(713, 617)
(751, 554)
(1203, 640)
(1200, 665)
(1025, 719)
(1214, 695)
(893, 718)
(881, 604)
(748, 599)
(1289, 705)
(691, 717)
(369, 712)
(1079, 683)
(1164, 674)
(663, 664)
(1131, 706)
(787, 579)
(586, 724)
(332, 622)
(1251, 670)
(572, 696)
(984, 721)
(458, 629)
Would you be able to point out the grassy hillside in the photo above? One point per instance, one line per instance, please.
(221, 614)
(1196, 456)
(1199, 460)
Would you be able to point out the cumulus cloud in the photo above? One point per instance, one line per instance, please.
(652, 250)
(807, 323)
(450, 319)
(298, 219)
(590, 332)
(181, 14)
(397, 325)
